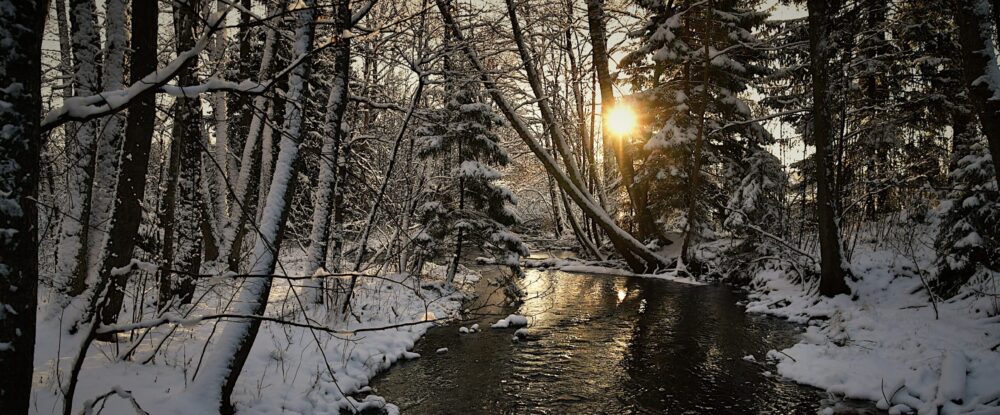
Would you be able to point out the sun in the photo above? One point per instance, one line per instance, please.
(621, 120)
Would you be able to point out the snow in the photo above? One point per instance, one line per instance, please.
(110, 101)
(886, 345)
(442, 350)
(513, 320)
(604, 268)
(287, 370)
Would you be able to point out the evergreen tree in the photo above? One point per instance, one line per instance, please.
(969, 240)
(473, 204)
(703, 57)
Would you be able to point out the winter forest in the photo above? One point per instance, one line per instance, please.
(499, 206)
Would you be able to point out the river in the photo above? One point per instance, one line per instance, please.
(601, 344)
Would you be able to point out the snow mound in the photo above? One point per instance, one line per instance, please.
(513, 320)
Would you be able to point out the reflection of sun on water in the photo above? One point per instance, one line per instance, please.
(621, 295)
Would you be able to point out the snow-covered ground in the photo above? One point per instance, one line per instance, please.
(291, 370)
(888, 344)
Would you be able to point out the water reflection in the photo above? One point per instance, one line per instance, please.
(601, 344)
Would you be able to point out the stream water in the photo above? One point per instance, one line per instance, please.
(602, 345)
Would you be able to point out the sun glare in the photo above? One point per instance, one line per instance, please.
(621, 120)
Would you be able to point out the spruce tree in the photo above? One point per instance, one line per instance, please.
(695, 64)
(968, 242)
(470, 203)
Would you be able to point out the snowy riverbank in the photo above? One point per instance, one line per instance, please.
(289, 368)
(888, 344)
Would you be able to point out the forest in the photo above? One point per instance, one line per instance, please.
(650, 206)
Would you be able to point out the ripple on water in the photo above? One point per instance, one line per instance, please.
(602, 344)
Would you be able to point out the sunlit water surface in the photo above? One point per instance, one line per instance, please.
(602, 345)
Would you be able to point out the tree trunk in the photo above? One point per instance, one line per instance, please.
(457, 257)
(187, 209)
(169, 213)
(557, 226)
(109, 147)
(637, 192)
(246, 190)
(234, 344)
(217, 199)
(131, 185)
(694, 175)
(73, 253)
(22, 25)
(330, 152)
(979, 67)
(834, 272)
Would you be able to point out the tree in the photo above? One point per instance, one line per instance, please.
(467, 141)
(693, 67)
(635, 186)
(72, 252)
(638, 256)
(21, 28)
(967, 243)
(237, 338)
(123, 230)
(979, 65)
(331, 148)
(833, 269)
(189, 208)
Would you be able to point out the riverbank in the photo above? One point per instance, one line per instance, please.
(890, 342)
(290, 370)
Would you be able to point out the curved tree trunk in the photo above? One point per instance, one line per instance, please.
(637, 255)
